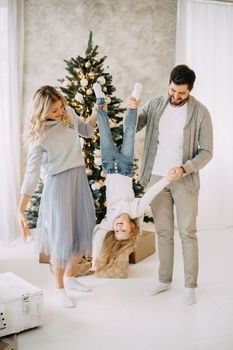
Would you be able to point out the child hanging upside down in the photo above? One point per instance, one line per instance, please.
(118, 231)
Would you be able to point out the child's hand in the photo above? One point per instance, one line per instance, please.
(133, 103)
(175, 174)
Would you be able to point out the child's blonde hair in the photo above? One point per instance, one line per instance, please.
(114, 250)
(43, 98)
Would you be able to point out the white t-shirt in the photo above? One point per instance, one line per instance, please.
(170, 147)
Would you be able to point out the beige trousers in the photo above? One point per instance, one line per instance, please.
(186, 205)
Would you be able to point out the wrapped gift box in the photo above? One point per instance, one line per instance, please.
(145, 247)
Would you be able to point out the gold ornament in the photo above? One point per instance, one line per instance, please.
(89, 92)
(89, 172)
(92, 75)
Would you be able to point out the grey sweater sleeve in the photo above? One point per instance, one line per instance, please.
(142, 115)
(205, 141)
(32, 174)
(84, 128)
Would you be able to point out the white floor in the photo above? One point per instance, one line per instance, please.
(117, 315)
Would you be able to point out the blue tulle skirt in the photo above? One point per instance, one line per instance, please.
(66, 217)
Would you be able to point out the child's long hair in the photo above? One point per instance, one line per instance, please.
(113, 250)
(41, 103)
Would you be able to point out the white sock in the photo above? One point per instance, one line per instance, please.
(189, 296)
(159, 288)
(137, 90)
(72, 283)
(62, 298)
(98, 91)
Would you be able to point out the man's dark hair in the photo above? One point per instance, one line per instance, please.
(182, 74)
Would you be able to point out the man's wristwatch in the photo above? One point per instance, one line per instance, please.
(183, 169)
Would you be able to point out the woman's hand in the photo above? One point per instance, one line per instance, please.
(23, 224)
(94, 115)
(133, 103)
(22, 219)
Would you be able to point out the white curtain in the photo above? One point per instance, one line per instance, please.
(204, 42)
(11, 72)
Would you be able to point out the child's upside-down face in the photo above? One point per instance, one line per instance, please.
(122, 227)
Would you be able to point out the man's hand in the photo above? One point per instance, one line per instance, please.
(133, 103)
(175, 173)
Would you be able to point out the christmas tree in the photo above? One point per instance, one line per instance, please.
(77, 87)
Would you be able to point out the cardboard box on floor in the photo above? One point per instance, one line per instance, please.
(144, 248)
(81, 269)
(44, 259)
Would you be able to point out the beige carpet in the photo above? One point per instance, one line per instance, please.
(8, 343)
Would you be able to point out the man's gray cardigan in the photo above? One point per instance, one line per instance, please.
(198, 139)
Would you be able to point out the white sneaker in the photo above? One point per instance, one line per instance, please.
(159, 288)
(189, 296)
(71, 283)
(63, 300)
(98, 91)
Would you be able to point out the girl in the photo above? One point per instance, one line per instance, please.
(66, 216)
(124, 212)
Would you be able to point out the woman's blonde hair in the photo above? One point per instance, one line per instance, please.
(41, 103)
(113, 250)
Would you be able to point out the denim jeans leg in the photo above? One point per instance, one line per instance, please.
(127, 148)
(107, 146)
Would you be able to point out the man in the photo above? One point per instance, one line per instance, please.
(178, 135)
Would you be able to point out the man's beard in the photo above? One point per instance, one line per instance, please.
(179, 102)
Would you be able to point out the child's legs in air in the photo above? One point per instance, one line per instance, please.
(127, 148)
(108, 149)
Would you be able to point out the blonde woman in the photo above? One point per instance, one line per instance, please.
(124, 212)
(66, 216)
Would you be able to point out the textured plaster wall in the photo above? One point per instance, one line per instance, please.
(137, 36)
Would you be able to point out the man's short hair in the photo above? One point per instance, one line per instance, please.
(181, 75)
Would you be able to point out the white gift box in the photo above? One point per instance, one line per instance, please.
(21, 305)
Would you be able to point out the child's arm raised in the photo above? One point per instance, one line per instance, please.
(147, 198)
